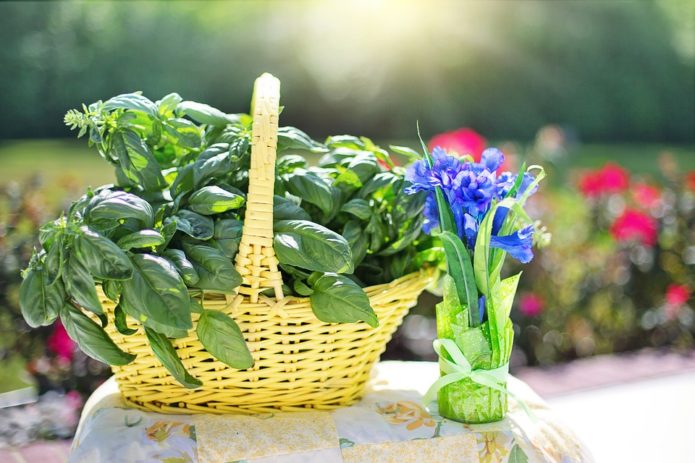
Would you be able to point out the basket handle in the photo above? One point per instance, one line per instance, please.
(256, 260)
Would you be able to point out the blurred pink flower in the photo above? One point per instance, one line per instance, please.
(677, 295)
(60, 343)
(646, 195)
(635, 225)
(461, 141)
(611, 178)
(530, 305)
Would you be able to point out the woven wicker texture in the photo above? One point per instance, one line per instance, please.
(300, 362)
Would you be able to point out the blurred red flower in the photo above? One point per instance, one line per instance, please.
(60, 343)
(461, 141)
(530, 305)
(646, 195)
(611, 178)
(690, 180)
(677, 295)
(635, 225)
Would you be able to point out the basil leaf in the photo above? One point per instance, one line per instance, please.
(286, 209)
(211, 200)
(156, 293)
(205, 114)
(183, 266)
(91, 338)
(120, 205)
(141, 239)
(358, 207)
(168, 104)
(79, 284)
(101, 256)
(338, 299)
(357, 239)
(311, 188)
(221, 336)
(166, 353)
(136, 160)
(53, 263)
(294, 139)
(227, 236)
(40, 302)
(302, 288)
(133, 101)
(186, 133)
(112, 289)
(194, 225)
(288, 163)
(120, 322)
(311, 246)
(216, 271)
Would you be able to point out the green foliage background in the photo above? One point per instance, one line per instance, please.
(618, 70)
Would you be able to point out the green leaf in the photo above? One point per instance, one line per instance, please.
(141, 239)
(168, 104)
(91, 338)
(194, 225)
(101, 256)
(311, 246)
(53, 262)
(410, 154)
(311, 188)
(227, 236)
(156, 294)
(504, 296)
(216, 271)
(221, 336)
(358, 207)
(120, 322)
(286, 209)
(205, 114)
(164, 350)
(517, 455)
(289, 163)
(186, 133)
(120, 205)
(40, 302)
(338, 299)
(461, 270)
(134, 101)
(211, 200)
(357, 239)
(301, 288)
(294, 139)
(136, 160)
(183, 266)
(112, 289)
(79, 285)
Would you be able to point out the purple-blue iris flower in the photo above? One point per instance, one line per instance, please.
(519, 244)
(470, 188)
(474, 190)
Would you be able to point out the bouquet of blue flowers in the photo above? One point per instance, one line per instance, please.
(478, 215)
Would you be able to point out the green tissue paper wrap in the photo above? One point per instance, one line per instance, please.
(467, 400)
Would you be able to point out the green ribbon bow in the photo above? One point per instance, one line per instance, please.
(460, 368)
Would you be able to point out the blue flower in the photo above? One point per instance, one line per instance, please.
(519, 244)
(431, 214)
(474, 190)
(506, 181)
(492, 159)
(444, 170)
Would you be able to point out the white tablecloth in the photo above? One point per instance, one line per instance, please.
(389, 424)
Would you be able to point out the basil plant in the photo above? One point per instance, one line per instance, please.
(167, 231)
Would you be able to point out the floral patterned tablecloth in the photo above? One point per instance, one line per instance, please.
(389, 424)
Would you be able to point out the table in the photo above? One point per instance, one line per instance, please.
(388, 424)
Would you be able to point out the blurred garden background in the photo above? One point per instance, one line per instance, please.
(601, 93)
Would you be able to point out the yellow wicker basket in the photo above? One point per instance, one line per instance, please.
(300, 362)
